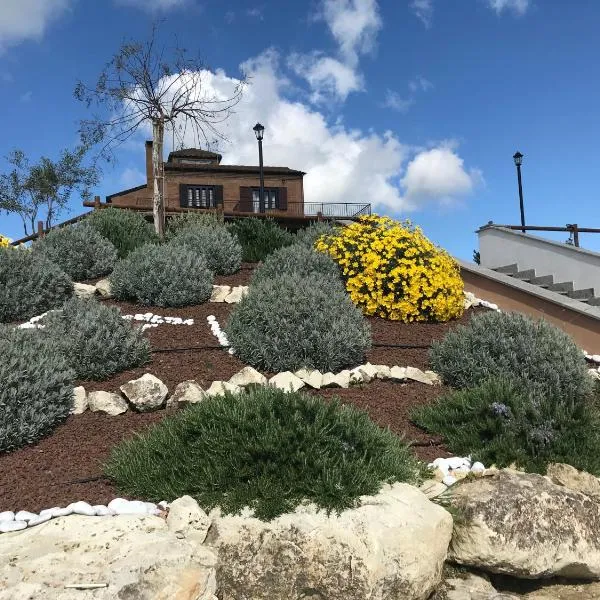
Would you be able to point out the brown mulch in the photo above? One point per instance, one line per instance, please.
(50, 473)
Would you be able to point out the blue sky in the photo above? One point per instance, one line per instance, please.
(413, 105)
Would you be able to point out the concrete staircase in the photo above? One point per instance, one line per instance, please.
(564, 288)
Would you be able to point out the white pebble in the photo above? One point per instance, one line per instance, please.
(24, 515)
(163, 504)
(139, 317)
(596, 358)
(477, 468)
(39, 519)
(449, 480)
(127, 507)
(102, 511)
(188, 322)
(6, 526)
(211, 318)
(82, 508)
(7, 515)
(457, 462)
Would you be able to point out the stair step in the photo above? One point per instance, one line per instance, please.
(563, 286)
(526, 275)
(584, 294)
(543, 281)
(508, 269)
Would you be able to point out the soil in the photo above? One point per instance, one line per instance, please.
(67, 465)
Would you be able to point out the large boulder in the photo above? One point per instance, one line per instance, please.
(523, 525)
(187, 392)
(145, 393)
(392, 546)
(138, 557)
(570, 477)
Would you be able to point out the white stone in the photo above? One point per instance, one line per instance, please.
(383, 372)
(369, 372)
(38, 520)
(219, 388)
(80, 402)
(449, 480)
(235, 295)
(248, 376)
(187, 392)
(25, 515)
(328, 380)
(187, 519)
(477, 467)
(457, 462)
(357, 376)
(596, 358)
(434, 378)
(311, 377)
(8, 526)
(286, 381)
(57, 511)
(83, 290)
(136, 555)
(219, 293)
(82, 508)
(398, 373)
(108, 402)
(432, 488)
(7, 515)
(418, 375)
(102, 511)
(342, 379)
(120, 506)
(145, 393)
(392, 546)
(103, 288)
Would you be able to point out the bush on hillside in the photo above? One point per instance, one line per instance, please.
(36, 387)
(125, 229)
(217, 452)
(309, 235)
(502, 421)
(79, 250)
(4, 242)
(495, 344)
(29, 285)
(168, 275)
(221, 249)
(286, 323)
(393, 271)
(96, 341)
(297, 261)
(193, 219)
(259, 237)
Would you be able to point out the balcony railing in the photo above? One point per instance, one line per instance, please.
(339, 210)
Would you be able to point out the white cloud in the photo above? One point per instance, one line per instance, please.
(519, 7)
(26, 97)
(423, 9)
(256, 13)
(419, 84)
(28, 19)
(154, 5)
(394, 101)
(343, 164)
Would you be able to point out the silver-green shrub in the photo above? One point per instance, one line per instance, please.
(221, 249)
(36, 387)
(497, 344)
(29, 285)
(169, 275)
(193, 219)
(297, 260)
(286, 323)
(96, 341)
(79, 250)
(309, 235)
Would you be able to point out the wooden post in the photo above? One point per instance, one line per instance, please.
(40, 229)
(96, 202)
(575, 235)
(319, 216)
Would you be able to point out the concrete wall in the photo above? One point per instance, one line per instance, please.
(499, 247)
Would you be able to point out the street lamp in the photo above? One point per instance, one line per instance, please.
(259, 131)
(518, 158)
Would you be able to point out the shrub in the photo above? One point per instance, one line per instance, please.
(125, 229)
(221, 249)
(309, 235)
(297, 261)
(36, 387)
(392, 270)
(259, 237)
(285, 323)
(502, 421)
(162, 276)
(29, 285)
(4, 242)
(95, 339)
(217, 452)
(193, 219)
(495, 344)
(80, 251)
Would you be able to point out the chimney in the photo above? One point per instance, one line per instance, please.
(149, 176)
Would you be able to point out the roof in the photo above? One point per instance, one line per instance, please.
(123, 192)
(194, 153)
(214, 168)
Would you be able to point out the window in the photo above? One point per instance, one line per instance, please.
(202, 196)
(271, 199)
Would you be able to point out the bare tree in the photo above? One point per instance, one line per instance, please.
(141, 85)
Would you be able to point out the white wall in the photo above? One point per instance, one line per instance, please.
(499, 247)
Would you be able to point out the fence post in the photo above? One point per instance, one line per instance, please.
(319, 215)
(96, 202)
(575, 235)
(40, 229)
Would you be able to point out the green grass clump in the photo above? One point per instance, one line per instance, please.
(267, 450)
(259, 237)
(503, 421)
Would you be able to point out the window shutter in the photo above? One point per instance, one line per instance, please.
(282, 202)
(245, 199)
(218, 196)
(183, 195)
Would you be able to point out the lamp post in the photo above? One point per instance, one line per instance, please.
(259, 131)
(518, 158)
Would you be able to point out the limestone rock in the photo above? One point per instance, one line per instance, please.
(357, 375)
(523, 525)
(235, 295)
(187, 519)
(311, 377)
(219, 388)
(560, 591)
(342, 379)
(219, 293)
(432, 488)
(83, 290)
(187, 392)
(80, 402)
(398, 373)
(383, 372)
(392, 546)
(248, 376)
(138, 557)
(111, 404)
(328, 380)
(286, 381)
(418, 375)
(570, 477)
(433, 377)
(469, 586)
(103, 288)
(146, 393)
(369, 372)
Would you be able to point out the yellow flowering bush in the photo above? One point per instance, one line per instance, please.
(4, 241)
(393, 271)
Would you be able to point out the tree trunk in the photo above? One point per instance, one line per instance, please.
(158, 171)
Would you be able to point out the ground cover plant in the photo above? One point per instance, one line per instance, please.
(125, 229)
(96, 341)
(266, 449)
(393, 271)
(259, 237)
(168, 275)
(287, 322)
(29, 285)
(36, 387)
(79, 250)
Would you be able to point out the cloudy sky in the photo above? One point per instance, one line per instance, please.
(415, 106)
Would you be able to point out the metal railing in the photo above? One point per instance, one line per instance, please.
(41, 231)
(340, 210)
(572, 228)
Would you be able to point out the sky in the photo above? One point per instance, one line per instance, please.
(415, 106)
